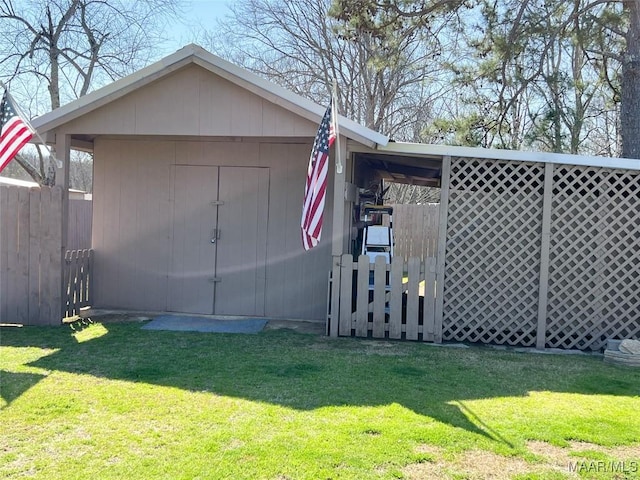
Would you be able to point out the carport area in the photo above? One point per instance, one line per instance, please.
(374, 171)
(534, 250)
(377, 298)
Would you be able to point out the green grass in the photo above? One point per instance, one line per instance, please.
(115, 401)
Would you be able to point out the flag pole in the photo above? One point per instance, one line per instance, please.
(26, 120)
(334, 110)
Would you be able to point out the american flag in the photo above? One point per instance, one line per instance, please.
(14, 131)
(316, 187)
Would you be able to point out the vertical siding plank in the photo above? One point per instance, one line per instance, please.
(45, 272)
(379, 291)
(34, 256)
(22, 274)
(12, 227)
(131, 226)
(264, 185)
(109, 166)
(395, 303)
(53, 256)
(4, 251)
(280, 233)
(45, 236)
(153, 219)
(362, 297)
(412, 298)
(428, 318)
(346, 296)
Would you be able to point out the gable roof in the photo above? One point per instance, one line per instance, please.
(194, 54)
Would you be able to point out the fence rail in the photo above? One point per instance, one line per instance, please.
(383, 300)
(77, 280)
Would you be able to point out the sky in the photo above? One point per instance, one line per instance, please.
(198, 15)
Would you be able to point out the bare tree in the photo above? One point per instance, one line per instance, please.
(70, 46)
(630, 84)
(385, 82)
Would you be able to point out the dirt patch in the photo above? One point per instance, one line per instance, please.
(581, 451)
(471, 465)
(481, 465)
(315, 328)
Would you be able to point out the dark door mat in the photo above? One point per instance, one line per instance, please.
(186, 323)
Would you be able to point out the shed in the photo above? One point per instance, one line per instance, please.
(199, 171)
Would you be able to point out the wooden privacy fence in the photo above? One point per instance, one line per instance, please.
(415, 229)
(79, 236)
(30, 255)
(383, 300)
(77, 280)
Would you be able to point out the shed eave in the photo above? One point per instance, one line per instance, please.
(511, 155)
(194, 54)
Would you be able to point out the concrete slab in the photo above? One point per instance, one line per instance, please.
(187, 323)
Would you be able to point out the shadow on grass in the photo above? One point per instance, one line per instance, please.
(309, 372)
(14, 384)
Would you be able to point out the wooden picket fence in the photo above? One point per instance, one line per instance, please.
(78, 280)
(381, 300)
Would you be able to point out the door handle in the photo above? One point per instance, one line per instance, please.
(215, 235)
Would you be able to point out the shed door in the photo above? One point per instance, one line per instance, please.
(219, 240)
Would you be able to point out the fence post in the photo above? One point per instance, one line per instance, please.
(89, 277)
(335, 296)
(442, 247)
(379, 293)
(413, 305)
(543, 290)
(395, 303)
(429, 308)
(346, 295)
(362, 296)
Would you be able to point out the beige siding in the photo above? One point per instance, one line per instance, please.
(193, 101)
(133, 234)
(296, 280)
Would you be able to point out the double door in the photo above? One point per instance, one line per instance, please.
(219, 243)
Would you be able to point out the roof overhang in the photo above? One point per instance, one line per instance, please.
(438, 151)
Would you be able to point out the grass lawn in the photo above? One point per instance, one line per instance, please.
(112, 401)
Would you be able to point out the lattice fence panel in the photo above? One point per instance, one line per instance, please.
(493, 251)
(594, 269)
